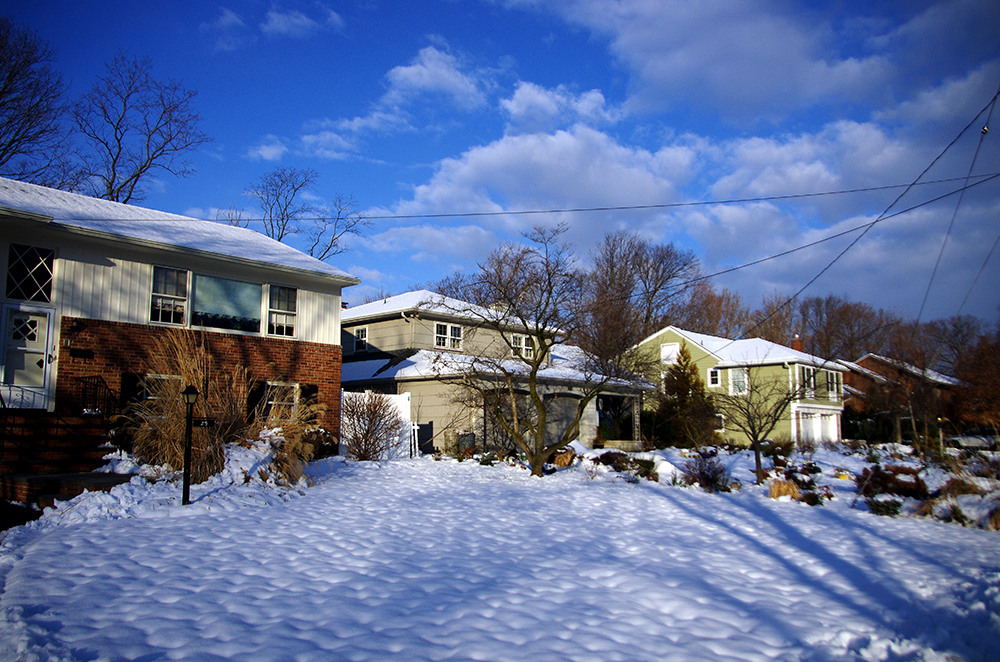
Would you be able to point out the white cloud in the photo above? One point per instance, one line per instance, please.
(739, 60)
(296, 24)
(433, 72)
(230, 31)
(432, 243)
(533, 108)
(327, 145)
(272, 148)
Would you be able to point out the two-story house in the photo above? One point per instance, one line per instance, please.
(731, 366)
(88, 285)
(419, 341)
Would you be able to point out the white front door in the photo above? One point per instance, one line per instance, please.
(25, 373)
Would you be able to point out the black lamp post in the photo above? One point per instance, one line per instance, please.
(190, 395)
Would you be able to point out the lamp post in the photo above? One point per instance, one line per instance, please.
(190, 395)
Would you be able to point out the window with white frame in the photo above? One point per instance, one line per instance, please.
(153, 386)
(714, 378)
(522, 345)
(447, 336)
(738, 381)
(669, 353)
(807, 380)
(720, 423)
(281, 310)
(169, 301)
(282, 400)
(833, 385)
(361, 339)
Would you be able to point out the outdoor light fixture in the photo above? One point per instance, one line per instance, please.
(190, 395)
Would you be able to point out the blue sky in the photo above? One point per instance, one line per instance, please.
(449, 106)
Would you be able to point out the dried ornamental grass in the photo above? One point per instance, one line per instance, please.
(783, 488)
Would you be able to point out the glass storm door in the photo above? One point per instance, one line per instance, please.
(26, 357)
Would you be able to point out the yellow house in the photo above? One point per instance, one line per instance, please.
(732, 366)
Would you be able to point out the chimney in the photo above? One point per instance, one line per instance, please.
(797, 343)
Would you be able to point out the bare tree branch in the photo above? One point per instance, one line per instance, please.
(33, 140)
(134, 125)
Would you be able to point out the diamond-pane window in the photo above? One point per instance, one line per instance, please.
(29, 273)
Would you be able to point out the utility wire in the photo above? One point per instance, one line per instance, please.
(880, 218)
(958, 205)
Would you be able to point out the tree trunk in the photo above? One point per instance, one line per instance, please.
(756, 457)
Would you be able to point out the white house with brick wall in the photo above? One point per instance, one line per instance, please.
(88, 284)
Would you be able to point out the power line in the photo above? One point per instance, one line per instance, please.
(665, 205)
(864, 226)
(881, 216)
(958, 204)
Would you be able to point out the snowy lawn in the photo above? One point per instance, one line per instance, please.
(441, 560)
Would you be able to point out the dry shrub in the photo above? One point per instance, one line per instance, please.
(901, 481)
(993, 521)
(370, 425)
(781, 488)
(622, 462)
(156, 425)
(300, 440)
(958, 486)
(707, 471)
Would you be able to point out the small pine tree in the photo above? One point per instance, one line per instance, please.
(685, 412)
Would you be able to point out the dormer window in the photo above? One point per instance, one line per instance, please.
(447, 336)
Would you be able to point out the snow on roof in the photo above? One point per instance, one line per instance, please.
(861, 370)
(925, 373)
(568, 364)
(751, 351)
(424, 300)
(174, 231)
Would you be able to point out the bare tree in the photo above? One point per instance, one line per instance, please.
(757, 407)
(33, 140)
(950, 340)
(980, 372)
(134, 125)
(286, 215)
(717, 313)
(327, 233)
(835, 328)
(370, 425)
(530, 298)
(279, 194)
(632, 289)
(773, 320)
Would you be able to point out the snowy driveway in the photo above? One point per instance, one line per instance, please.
(425, 560)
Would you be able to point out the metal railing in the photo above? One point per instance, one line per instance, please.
(96, 397)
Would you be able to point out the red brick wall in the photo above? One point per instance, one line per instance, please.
(109, 349)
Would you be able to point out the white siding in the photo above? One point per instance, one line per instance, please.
(117, 289)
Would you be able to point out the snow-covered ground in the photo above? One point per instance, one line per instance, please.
(442, 560)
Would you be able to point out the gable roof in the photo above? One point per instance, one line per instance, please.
(925, 373)
(415, 301)
(749, 351)
(114, 220)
